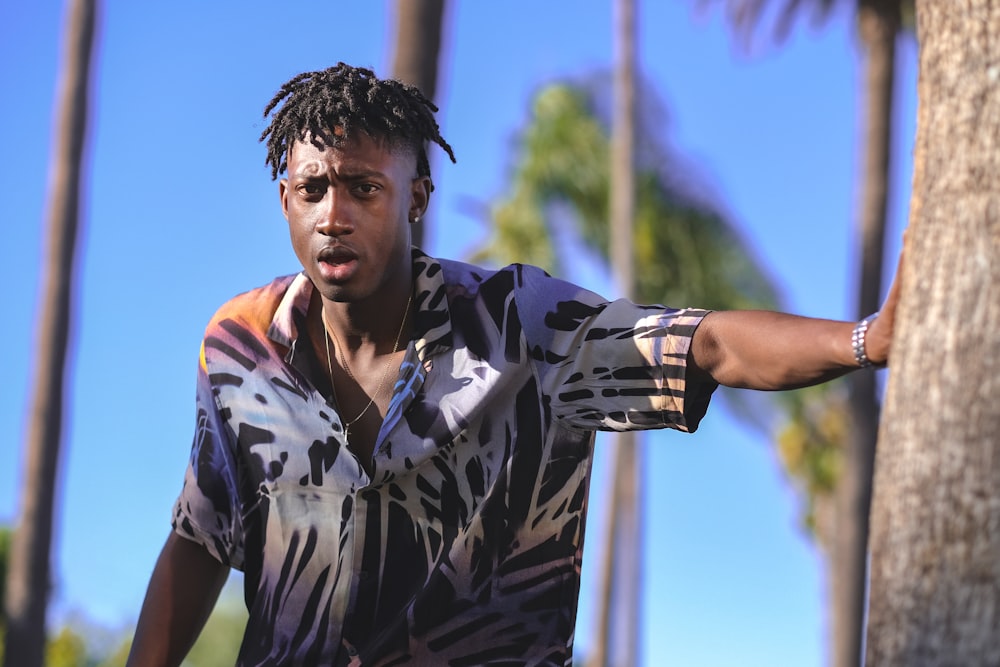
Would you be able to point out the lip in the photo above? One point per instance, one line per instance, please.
(337, 263)
(336, 253)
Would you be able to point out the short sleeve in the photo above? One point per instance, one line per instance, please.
(207, 510)
(611, 365)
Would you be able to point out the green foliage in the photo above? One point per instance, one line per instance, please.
(811, 445)
(686, 252)
(66, 649)
(219, 642)
(118, 657)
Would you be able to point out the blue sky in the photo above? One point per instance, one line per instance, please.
(180, 214)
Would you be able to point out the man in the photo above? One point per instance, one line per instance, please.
(394, 448)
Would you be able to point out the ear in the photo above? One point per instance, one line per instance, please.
(420, 196)
(283, 194)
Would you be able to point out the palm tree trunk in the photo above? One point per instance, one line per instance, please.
(620, 613)
(935, 548)
(618, 635)
(418, 47)
(28, 577)
(879, 24)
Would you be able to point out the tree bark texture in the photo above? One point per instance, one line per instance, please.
(935, 542)
(878, 24)
(29, 574)
(418, 47)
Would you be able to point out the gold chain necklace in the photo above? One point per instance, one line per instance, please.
(327, 330)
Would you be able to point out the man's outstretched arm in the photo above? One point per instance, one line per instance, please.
(182, 592)
(765, 350)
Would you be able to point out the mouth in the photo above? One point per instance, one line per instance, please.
(336, 255)
(336, 263)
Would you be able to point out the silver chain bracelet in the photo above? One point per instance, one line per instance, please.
(858, 342)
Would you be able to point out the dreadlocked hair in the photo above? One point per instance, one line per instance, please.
(350, 99)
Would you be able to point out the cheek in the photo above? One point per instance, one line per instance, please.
(299, 238)
(398, 234)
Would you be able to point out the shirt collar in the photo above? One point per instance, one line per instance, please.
(431, 321)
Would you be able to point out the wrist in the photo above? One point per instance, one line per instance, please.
(859, 340)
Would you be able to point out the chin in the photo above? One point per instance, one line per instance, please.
(341, 294)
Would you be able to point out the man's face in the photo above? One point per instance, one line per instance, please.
(349, 209)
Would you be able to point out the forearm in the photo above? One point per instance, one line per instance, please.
(770, 351)
(182, 592)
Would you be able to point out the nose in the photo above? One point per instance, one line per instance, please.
(335, 220)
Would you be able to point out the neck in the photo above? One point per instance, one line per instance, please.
(358, 325)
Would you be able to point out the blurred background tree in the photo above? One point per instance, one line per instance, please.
(844, 513)
(219, 642)
(685, 253)
(416, 59)
(26, 593)
(4, 561)
(66, 649)
(801, 447)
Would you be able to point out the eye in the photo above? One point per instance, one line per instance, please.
(311, 190)
(366, 189)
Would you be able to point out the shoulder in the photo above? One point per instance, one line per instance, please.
(466, 279)
(255, 308)
(526, 288)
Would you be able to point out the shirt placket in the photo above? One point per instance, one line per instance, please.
(366, 529)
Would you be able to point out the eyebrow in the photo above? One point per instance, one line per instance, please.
(347, 173)
(351, 174)
(307, 170)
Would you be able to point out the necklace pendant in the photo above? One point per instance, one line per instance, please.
(343, 360)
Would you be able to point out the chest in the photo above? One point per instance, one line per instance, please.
(457, 409)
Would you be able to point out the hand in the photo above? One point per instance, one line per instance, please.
(878, 340)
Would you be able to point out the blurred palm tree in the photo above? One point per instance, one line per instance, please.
(28, 577)
(617, 637)
(844, 531)
(684, 252)
(5, 536)
(416, 57)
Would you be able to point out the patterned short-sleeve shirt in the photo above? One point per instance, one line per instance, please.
(463, 546)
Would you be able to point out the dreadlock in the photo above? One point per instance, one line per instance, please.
(350, 98)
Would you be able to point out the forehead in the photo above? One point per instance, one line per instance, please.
(359, 147)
